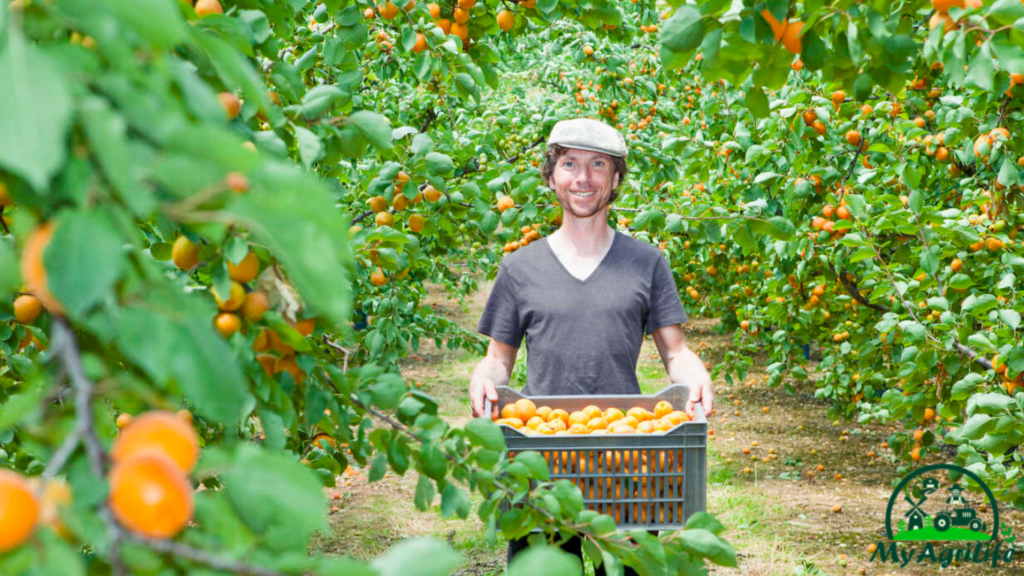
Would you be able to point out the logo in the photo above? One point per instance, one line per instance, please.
(930, 507)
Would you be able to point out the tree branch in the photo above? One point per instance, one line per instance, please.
(65, 348)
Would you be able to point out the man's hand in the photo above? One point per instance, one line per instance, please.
(492, 371)
(479, 389)
(703, 394)
(685, 367)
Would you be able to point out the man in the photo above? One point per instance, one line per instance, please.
(956, 499)
(584, 296)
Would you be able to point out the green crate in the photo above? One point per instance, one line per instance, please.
(648, 481)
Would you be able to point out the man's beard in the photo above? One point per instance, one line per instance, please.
(565, 199)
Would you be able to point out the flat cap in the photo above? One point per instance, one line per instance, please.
(587, 134)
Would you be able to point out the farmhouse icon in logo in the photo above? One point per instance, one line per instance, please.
(930, 506)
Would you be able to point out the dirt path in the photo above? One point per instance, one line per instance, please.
(779, 518)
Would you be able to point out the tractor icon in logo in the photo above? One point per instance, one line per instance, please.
(965, 516)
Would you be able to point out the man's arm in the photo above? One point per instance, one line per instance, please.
(685, 367)
(494, 370)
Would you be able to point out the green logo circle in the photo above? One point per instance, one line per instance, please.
(949, 525)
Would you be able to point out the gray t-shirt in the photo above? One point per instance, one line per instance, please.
(582, 336)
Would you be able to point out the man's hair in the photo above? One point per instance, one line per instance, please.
(555, 151)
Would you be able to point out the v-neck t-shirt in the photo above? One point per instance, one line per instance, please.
(582, 336)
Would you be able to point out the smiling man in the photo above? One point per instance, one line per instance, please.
(585, 296)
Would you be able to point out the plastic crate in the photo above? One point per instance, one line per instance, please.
(649, 481)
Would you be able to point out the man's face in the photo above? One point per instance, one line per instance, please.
(583, 182)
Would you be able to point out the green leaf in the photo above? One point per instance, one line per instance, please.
(484, 432)
(991, 403)
(80, 274)
(960, 281)
(535, 463)
(424, 496)
(704, 521)
(171, 346)
(36, 113)
(976, 426)
(454, 500)
(781, 228)
(16, 406)
(311, 148)
(706, 545)
(422, 144)
(439, 164)
(1011, 317)
(914, 332)
(815, 53)
(378, 467)
(58, 556)
(545, 561)
(388, 391)
(684, 31)
(373, 127)
(158, 22)
(417, 557)
(853, 41)
(757, 102)
(982, 72)
(106, 131)
(966, 386)
(1008, 175)
(319, 100)
(434, 463)
(979, 304)
(278, 498)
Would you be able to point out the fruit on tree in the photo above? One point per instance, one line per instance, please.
(236, 297)
(227, 324)
(421, 43)
(55, 497)
(232, 105)
(123, 420)
(19, 510)
(246, 270)
(237, 182)
(185, 253)
(377, 277)
(505, 202)
(461, 30)
(791, 37)
(506, 20)
(416, 223)
(384, 219)
(778, 28)
(207, 7)
(305, 327)
(27, 308)
(255, 306)
(162, 432)
(150, 495)
(33, 272)
(388, 11)
(943, 6)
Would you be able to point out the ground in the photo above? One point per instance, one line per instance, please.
(779, 519)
